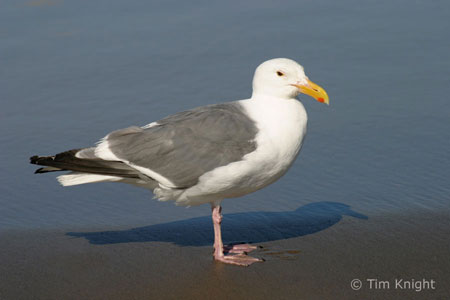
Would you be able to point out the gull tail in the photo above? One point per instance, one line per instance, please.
(85, 167)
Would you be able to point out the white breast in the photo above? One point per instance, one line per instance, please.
(282, 127)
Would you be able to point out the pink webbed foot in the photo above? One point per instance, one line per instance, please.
(237, 259)
(240, 258)
(239, 249)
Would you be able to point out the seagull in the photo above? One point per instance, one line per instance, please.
(206, 154)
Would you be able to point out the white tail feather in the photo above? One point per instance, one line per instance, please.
(75, 178)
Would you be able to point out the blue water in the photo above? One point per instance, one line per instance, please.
(72, 71)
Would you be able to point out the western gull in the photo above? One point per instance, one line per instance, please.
(206, 154)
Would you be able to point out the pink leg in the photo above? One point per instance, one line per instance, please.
(241, 259)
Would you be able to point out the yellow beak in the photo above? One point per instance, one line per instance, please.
(313, 90)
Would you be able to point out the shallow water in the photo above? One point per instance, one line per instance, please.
(72, 71)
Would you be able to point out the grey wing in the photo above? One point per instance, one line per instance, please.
(184, 146)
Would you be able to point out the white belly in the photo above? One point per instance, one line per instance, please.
(282, 128)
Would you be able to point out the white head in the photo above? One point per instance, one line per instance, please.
(285, 78)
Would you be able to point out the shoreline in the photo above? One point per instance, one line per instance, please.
(53, 265)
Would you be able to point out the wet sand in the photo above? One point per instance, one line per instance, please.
(313, 265)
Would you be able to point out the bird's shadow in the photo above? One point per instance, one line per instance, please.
(251, 227)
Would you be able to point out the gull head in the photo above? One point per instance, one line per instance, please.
(285, 78)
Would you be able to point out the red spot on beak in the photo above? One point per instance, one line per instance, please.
(321, 100)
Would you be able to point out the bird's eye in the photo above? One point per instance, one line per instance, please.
(279, 73)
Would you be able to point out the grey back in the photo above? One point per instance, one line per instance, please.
(188, 144)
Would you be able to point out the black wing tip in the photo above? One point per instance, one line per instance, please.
(39, 171)
(47, 169)
(41, 160)
(37, 160)
(34, 159)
